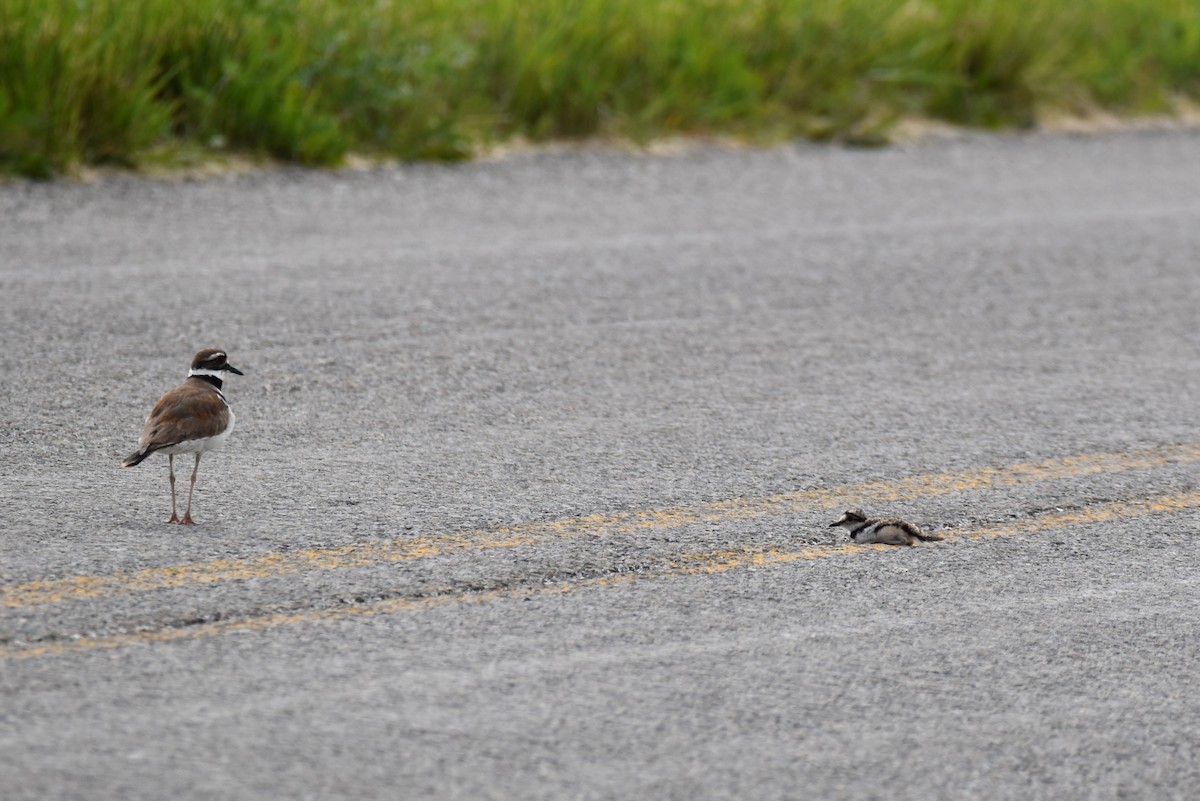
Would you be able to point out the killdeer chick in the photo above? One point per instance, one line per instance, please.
(192, 418)
(884, 530)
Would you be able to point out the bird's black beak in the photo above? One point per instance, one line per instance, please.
(835, 524)
(232, 369)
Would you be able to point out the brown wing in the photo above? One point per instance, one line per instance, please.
(192, 410)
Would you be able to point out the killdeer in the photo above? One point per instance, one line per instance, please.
(884, 530)
(192, 418)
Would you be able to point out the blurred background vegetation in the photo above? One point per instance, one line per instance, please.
(127, 82)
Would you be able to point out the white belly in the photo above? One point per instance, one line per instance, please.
(204, 444)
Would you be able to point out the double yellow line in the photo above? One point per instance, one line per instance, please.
(686, 565)
(49, 591)
(405, 549)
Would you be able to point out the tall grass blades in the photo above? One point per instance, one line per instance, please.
(110, 81)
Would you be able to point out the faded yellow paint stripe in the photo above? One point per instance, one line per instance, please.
(721, 561)
(686, 565)
(402, 549)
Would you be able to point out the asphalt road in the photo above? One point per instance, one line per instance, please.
(534, 463)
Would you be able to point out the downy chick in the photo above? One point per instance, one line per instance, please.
(883, 530)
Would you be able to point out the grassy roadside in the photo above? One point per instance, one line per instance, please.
(125, 81)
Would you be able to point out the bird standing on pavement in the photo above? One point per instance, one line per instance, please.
(192, 418)
(882, 530)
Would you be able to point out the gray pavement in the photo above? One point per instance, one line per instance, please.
(506, 427)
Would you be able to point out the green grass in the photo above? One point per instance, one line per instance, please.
(86, 82)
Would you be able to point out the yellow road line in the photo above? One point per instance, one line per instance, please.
(402, 549)
(685, 565)
(720, 561)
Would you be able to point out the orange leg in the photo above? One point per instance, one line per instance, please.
(187, 515)
(171, 468)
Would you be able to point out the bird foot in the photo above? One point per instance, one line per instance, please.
(174, 518)
(187, 521)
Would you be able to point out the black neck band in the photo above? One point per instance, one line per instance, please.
(212, 379)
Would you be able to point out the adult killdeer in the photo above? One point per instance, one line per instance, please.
(192, 418)
(884, 530)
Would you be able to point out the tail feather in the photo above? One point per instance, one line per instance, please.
(925, 536)
(136, 457)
